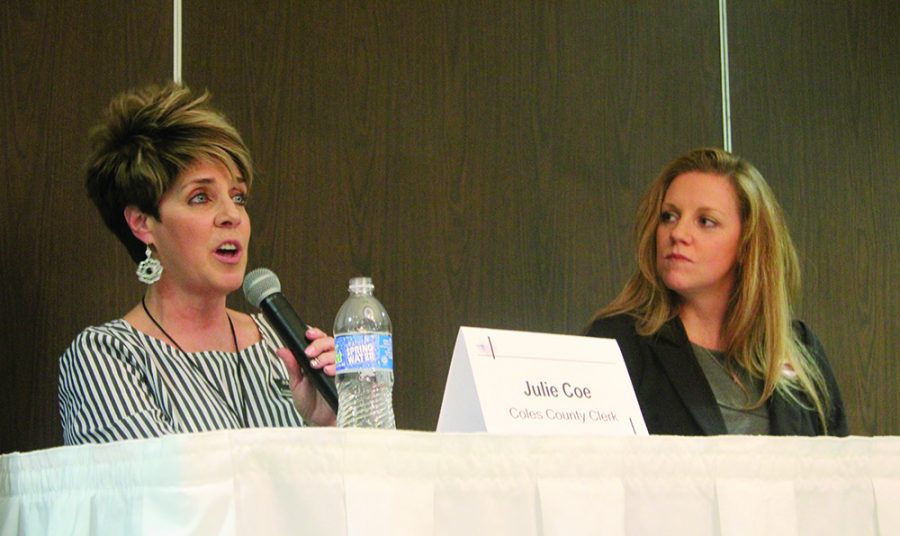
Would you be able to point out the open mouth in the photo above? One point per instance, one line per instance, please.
(228, 250)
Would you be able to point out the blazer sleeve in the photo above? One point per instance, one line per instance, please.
(103, 396)
(837, 417)
(621, 328)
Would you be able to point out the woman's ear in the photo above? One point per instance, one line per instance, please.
(139, 224)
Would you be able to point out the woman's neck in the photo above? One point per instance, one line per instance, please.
(703, 321)
(194, 323)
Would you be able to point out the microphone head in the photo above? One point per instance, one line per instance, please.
(260, 284)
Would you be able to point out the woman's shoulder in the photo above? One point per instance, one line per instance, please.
(113, 329)
(254, 329)
(805, 333)
(108, 338)
(612, 327)
(624, 328)
(807, 337)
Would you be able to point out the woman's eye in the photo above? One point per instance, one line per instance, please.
(239, 199)
(667, 216)
(199, 198)
(707, 222)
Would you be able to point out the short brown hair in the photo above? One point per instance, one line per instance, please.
(148, 136)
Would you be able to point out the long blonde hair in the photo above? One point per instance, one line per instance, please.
(758, 332)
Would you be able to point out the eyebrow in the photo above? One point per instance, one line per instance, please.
(699, 209)
(200, 181)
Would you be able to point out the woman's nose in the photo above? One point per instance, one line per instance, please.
(679, 231)
(229, 213)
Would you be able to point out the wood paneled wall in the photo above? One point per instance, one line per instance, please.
(481, 161)
(816, 104)
(60, 270)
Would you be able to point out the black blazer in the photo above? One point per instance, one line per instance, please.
(676, 398)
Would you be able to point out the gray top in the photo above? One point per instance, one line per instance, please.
(732, 397)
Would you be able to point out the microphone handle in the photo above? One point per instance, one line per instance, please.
(291, 330)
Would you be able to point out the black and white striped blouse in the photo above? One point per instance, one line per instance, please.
(116, 383)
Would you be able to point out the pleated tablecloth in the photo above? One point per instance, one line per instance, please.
(263, 482)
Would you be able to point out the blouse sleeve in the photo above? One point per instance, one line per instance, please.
(103, 394)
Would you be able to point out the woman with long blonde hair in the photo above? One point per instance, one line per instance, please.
(706, 323)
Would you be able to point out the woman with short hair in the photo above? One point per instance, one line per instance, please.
(171, 178)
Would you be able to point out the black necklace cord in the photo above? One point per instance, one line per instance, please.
(242, 418)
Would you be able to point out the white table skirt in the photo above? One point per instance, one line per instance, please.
(359, 482)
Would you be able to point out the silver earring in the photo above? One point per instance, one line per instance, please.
(149, 270)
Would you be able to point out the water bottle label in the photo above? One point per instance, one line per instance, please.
(363, 352)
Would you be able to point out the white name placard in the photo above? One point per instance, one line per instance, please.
(519, 382)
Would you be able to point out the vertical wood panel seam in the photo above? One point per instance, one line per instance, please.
(723, 66)
(176, 40)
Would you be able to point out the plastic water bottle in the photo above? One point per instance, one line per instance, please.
(365, 360)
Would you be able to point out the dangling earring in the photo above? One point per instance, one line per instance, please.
(149, 270)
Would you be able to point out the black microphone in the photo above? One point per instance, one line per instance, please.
(263, 290)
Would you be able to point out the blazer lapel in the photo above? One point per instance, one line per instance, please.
(673, 350)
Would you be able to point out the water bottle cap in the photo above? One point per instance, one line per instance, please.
(361, 283)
